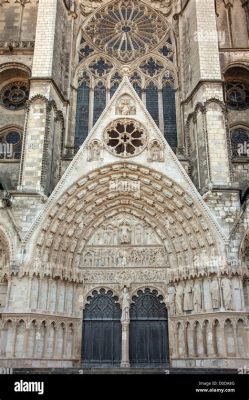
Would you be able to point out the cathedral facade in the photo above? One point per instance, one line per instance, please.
(124, 176)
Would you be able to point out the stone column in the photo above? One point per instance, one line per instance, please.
(45, 344)
(247, 341)
(14, 334)
(125, 362)
(235, 338)
(8, 293)
(26, 338)
(29, 292)
(191, 342)
(125, 322)
(210, 341)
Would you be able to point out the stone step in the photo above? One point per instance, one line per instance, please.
(122, 371)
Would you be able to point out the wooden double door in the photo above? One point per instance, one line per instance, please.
(148, 330)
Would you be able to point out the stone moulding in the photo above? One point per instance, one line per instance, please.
(17, 45)
(87, 7)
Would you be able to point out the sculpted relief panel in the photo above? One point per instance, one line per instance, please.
(124, 241)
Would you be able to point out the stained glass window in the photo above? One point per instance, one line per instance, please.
(14, 95)
(82, 114)
(237, 94)
(10, 144)
(152, 101)
(127, 32)
(99, 101)
(151, 67)
(100, 67)
(125, 138)
(240, 142)
(137, 83)
(126, 29)
(169, 115)
(115, 81)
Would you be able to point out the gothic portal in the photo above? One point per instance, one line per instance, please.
(124, 164)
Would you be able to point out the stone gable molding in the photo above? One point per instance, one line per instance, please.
(180, 175)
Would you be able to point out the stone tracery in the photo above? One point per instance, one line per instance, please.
(125, 138)
(126, 29)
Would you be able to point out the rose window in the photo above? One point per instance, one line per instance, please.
(125, 138)
(14, 95)
(237, 95)
(126, 29)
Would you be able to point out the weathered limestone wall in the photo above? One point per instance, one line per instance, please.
(18, 20)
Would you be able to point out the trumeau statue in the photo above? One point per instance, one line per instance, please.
(125, 299)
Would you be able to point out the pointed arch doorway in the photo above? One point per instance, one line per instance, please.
(148, 344)
(101, 346)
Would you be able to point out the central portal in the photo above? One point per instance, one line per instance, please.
(147, 327)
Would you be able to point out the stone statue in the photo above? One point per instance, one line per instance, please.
(125, 298)
(3, 258)
(227, 293)
(179, 298)
(126, 106)
(125, 234)
(215, 293)
(188, 296)
(155, 151)
(171, 300)
(197, 297)
(94, 151)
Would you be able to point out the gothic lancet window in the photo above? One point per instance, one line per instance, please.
(240, 142)
(82, 115)
(152, 101)
(137, 83)
(127, 37)
(115, 81)
(169, 112)
(10, 144)
(99, 100)
(237, 88)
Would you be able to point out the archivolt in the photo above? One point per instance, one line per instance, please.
(178, 219)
